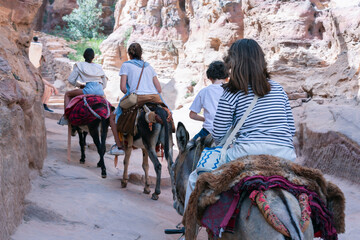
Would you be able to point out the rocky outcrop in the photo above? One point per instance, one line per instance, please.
(56, 66)
(311, 47)
(328, 137)
(49, 16)
(22, 130)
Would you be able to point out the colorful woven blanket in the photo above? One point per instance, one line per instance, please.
(223, 213)
(84, 109)
(232, 175)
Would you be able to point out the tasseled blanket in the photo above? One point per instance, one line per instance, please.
(209, 187)
(223, 213)
(84, 109)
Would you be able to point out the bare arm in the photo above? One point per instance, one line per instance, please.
(195, 116)
(51, 86)
(123, 83)
(157, 84)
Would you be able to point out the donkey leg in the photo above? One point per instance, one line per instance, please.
(157, 167)
(95, 136)
(82, 143)
(125, 178)
(145, 166)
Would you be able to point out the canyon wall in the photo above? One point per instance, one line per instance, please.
(49, 16)
(312, 48)
(22, 129)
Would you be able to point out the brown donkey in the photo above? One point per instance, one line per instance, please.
(147, 139)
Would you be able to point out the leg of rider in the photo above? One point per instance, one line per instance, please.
(46, 95)
(114, 131)
(190, 187)
(70, 94)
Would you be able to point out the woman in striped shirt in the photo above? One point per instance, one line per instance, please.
(269, 128)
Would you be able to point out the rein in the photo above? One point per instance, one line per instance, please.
(93, 112)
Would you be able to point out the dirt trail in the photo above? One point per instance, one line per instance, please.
(71, 201)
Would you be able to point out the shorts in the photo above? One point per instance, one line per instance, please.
(243, 149)
(95, 88)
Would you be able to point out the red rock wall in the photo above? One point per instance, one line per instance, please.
(50, 14)
(22, 129)
(312, 49)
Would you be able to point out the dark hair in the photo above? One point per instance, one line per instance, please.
(35, 39)
(89, 55)
(135, 51)
(217, 70)
(247, 65)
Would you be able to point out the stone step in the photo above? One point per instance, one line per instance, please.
(56, 115)
(56, 106)
(56, 99)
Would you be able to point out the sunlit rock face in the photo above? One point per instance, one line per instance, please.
(51, 12)
(22, 129)
(312, 49)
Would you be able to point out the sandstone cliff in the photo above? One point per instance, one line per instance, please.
(311, 47)
(22, 130)
(51, 12)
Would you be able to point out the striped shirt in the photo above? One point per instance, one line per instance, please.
(270, 121)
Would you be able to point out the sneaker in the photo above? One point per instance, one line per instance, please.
(63, 121)
(116, 151)
(46, 108)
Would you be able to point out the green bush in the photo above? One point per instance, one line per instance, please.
(127, 35)
(83, 44)
(84, 21)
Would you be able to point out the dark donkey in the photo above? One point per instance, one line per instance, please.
(94, 121)
(147, 138)
(252, 227)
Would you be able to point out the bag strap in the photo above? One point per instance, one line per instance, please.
(233, 132)
(140, 77)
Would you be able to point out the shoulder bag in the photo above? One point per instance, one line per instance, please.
(212, 158)
(131, 99)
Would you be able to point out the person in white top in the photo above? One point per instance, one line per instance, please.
(208, 98)
(35, 57)
(87, 75)
(130, 73)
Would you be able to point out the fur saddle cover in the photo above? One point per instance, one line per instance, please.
(210, 185)
(84, 109)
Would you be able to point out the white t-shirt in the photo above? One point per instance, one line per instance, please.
(35, 53)
(133, 73)
(208, 98)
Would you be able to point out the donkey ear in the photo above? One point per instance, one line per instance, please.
(182, 136)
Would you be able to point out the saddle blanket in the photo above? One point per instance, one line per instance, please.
(84, 109)
(327, 202)
(221, 216)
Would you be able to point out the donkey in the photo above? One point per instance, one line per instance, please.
(94, 127)
(92, 121)
(147, 139)
(248, 227)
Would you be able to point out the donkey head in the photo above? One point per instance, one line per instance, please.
(186, 161)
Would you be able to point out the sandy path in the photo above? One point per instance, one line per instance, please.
(71, 201)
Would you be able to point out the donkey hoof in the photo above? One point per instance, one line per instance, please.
(82, 161)
(146, 191)
(154, 196)
(103, 175)
(123, 184)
